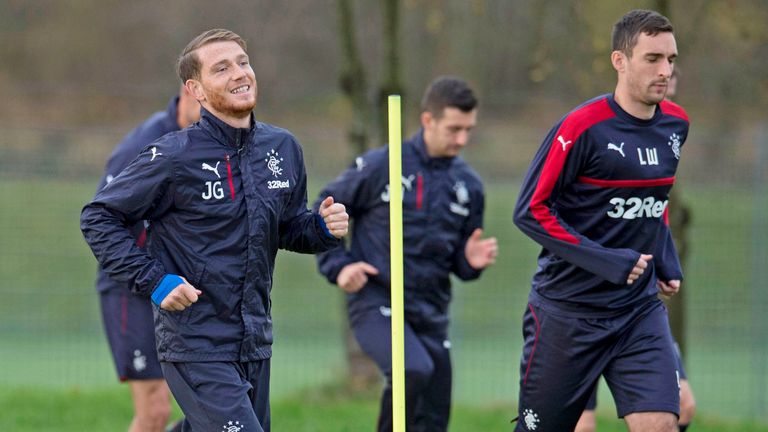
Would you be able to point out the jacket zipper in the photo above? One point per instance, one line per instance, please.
(229, 177)
(419, 191)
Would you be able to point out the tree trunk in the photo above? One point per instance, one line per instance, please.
(391, 83)
(679, 222)
(362, 372)
(352, 79)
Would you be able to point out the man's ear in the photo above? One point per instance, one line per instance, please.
(195, 88)
(619, 60)
(426, 119)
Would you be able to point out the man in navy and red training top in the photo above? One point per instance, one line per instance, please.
(443, 203)
(127, 317)
(595, 198)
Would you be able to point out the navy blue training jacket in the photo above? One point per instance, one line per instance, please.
(443, 203)
(157, 125)
(220, 201)
(595, 197)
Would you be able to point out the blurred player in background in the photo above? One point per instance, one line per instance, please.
(443, 203)
(127, 317)
(595, 198)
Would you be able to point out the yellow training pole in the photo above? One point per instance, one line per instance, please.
(396, 264)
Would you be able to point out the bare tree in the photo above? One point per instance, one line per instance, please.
(679, 222)
(362, 371)
(391, 81)
(352, 79)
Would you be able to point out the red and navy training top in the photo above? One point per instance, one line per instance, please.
(595, 197)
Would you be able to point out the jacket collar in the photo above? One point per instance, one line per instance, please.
(629, 117)
(172, 114)
(226, 134)
(421, 150)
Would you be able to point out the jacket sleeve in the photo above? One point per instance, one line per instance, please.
(349, 189)
(121, 157)
(666, 259)
(144, 190)
(554, 168)
(302, 230)
(461, 267)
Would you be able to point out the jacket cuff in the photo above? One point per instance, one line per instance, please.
(465, 271)
(321, 221)
(333, 275)
(167, 284)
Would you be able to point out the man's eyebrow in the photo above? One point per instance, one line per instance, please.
(659, 54)
(219, 63)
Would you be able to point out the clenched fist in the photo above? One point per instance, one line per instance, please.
(335, 217)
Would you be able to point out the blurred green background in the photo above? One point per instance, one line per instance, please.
(75, 76)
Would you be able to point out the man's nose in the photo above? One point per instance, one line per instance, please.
(666, 69)
(462, 138)
(238, 74)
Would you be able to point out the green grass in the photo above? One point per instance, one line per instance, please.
(324, 409)
(51, 336)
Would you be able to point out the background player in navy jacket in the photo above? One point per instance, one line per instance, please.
(595, 198)
(128, 317)
(442, 228)
(587, 422)
(221, 197)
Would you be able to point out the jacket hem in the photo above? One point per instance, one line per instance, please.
(180, 357)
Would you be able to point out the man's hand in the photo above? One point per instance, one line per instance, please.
(353, 277)
(639, 269)
(669, 288)
(335, 217)
(480, 253)
(180, 297)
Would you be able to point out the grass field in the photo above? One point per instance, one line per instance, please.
(52, 350)
(323, 409)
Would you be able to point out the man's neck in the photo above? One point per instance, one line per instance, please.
(633, 107)
(234, 121)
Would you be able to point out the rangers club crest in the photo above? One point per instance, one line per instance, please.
(232, 426)
(674, 143)
(531, 419)
(273, 163)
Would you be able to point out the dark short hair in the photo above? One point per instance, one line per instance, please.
(188, 64)
(631, 25)
(448, 91)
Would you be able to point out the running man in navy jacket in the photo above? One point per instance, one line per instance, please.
(595, 197)
(442, 227)
(221, 197)
(127, 317)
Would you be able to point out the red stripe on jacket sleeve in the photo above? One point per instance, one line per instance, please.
(570, 130)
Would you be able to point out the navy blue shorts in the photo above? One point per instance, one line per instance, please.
(130, 329)
(563, 357)
(221, 396)
(592, 402)
(679, 357)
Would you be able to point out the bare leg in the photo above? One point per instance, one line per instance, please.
(586, 422)
(152, 405)
(651, 422)
(687, 403)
